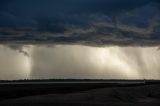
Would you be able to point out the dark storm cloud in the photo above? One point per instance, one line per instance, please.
(87, 22)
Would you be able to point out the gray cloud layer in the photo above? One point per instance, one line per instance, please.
(87, 22)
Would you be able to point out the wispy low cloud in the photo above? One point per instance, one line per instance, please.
(111, 22)
(19, 48)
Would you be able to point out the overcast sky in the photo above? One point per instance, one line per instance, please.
(79, 39)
